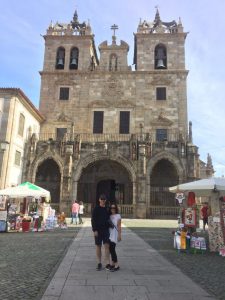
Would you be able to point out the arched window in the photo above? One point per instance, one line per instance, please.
(60, 58)
(21, 125)
(160, 57)
(74, 56)
(113, 60)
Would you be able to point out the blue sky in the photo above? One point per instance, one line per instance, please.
(22, 51)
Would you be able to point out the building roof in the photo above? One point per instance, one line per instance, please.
(27, 102)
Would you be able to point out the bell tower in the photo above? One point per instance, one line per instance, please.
(69, 51)
(159, 51)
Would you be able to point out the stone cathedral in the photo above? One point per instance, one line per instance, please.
(110, 128)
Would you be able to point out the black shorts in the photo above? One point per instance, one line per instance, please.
(102, 238)
(205, 221)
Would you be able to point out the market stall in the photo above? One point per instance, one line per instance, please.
(214, 189)
(24, 205)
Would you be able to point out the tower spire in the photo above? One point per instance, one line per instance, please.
(75, 21)
(157, 16)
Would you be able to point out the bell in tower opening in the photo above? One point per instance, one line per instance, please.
(60, 58)
(160, 57)
(74, 59)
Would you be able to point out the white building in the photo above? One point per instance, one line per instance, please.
(19, 119)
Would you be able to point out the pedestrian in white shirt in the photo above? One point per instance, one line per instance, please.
(115, 235)
(81, 212)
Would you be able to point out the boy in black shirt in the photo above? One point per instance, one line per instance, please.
(100, 227)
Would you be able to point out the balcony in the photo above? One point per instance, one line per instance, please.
(173, 136)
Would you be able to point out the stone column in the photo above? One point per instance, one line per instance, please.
(141, 195)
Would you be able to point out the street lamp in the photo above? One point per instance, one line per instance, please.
(4, 145)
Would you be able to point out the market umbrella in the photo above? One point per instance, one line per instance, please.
(25, 189)
(203, 187)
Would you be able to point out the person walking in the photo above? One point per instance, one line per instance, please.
(81, 212)
(74, 212)
(100, 228)
(114, 235)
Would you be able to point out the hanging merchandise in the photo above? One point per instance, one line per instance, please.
(191, 199)
(189, 215)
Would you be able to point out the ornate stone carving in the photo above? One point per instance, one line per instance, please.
(63, 118)
(112, 103)
(162, 120)
(112, 88)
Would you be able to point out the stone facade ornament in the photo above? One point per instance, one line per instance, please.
(112, 88)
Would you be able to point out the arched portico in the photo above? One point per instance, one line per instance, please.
(47, 172)
(164, 170)
(113, 176)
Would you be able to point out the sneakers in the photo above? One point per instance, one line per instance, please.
(108, 267)
(99, 267)
(114, 269)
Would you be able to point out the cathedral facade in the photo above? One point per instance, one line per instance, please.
(111, 129)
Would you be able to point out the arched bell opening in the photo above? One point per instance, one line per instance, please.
(160, 57)
(48, 177)
(60, 58)
(164, 175)
(74, 56)
(105, 177)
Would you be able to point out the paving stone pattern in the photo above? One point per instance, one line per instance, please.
(207, 270)
(29, 260)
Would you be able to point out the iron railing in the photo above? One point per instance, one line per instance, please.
(173, 135)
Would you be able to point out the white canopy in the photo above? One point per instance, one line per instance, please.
(203, 187)
(25, 189)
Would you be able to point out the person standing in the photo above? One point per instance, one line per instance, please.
(114, 235)
(204, 214)
(81, 212)
(74, 213)
(100, 228)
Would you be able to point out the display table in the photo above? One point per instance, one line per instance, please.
(26, 226)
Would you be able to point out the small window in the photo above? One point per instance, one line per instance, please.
(161, 135)
(64, 93)
(60, 133)
(17, 158)
(160, 93)
(124, 122)
(98, 122)
(21, 125)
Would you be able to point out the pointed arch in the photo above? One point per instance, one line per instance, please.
(41, 158)
(172, 167)
(97, 172)
(92, 158)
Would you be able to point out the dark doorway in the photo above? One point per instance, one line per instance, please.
(107, 187)
(164, 175)
(108, 177)
(48, 177)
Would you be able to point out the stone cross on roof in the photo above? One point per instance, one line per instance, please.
(114, 27)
